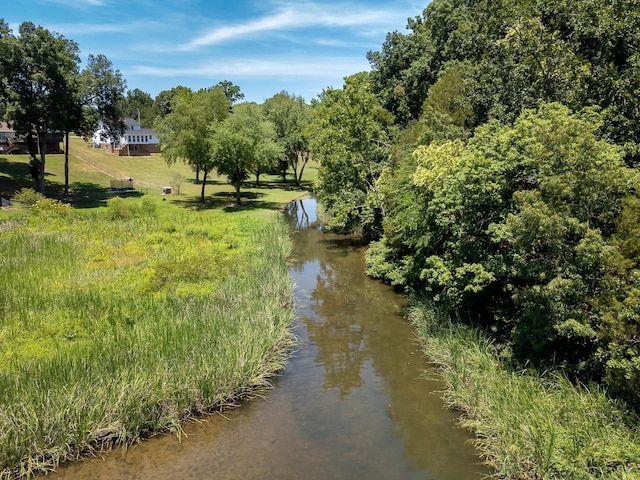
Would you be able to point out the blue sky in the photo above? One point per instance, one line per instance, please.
(263, 46)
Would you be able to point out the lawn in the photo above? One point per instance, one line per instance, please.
(92, 169)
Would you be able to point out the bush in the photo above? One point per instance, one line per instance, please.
(117, 208)
(50, 208)
(27, 197)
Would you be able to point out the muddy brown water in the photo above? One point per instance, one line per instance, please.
(357, 400)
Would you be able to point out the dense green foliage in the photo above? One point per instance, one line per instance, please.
(516, 53)
(123, 321)
(514, 229)
(350, 136)
(510, 195)
(140, 106)
(185, 132)
(290, 116)
(244, 143)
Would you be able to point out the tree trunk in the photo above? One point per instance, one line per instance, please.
(305, 160)
(258, 178)
(293, 161)
(284, 166)
(204, 182)
(66, 164)
(238, 203)
(43, 147)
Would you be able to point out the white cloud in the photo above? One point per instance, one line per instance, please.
(326, 67)
(80, 5)
(296, 17)
(89, 28)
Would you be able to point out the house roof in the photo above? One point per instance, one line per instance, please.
(142, 131)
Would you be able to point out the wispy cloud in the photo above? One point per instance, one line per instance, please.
(79, 5)
(250, 67)
(89, 28)
(294, 17)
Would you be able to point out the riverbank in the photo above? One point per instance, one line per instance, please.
(529, 426)
(122, 322)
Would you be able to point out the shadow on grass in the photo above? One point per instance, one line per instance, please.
(13, 177)
(87, 195)
(226, 201)
(305, 185)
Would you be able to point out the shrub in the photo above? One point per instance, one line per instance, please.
(27, 197)
(50, 208)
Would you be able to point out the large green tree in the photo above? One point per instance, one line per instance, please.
(351, 138)
(7, 65)
(139, 105)
(103, 95)
(39, 86)
(291, 117)
(185, 133)
(245, 142)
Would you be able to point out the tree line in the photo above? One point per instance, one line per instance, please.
(491, 157)
(44, 90)
(209, 130)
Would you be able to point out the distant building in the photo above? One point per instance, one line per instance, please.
(136, 141)
(11, 142)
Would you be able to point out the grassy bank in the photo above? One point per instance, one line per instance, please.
(529, 426)
(122, 321)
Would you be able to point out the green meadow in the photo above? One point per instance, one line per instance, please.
(124, 316)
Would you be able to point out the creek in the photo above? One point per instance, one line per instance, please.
(357, 399)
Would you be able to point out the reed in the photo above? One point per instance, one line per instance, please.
(529, 425)
(118, 327)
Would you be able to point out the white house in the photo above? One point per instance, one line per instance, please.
(135, 140)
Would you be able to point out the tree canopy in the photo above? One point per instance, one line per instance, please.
(350, 136)
(291, 116)
(104, 88)
(245, 142)
(185, 132)
(140, 106)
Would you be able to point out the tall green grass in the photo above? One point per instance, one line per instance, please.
(529, 426)
(125, 321)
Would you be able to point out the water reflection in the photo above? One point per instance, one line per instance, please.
(366, 350)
